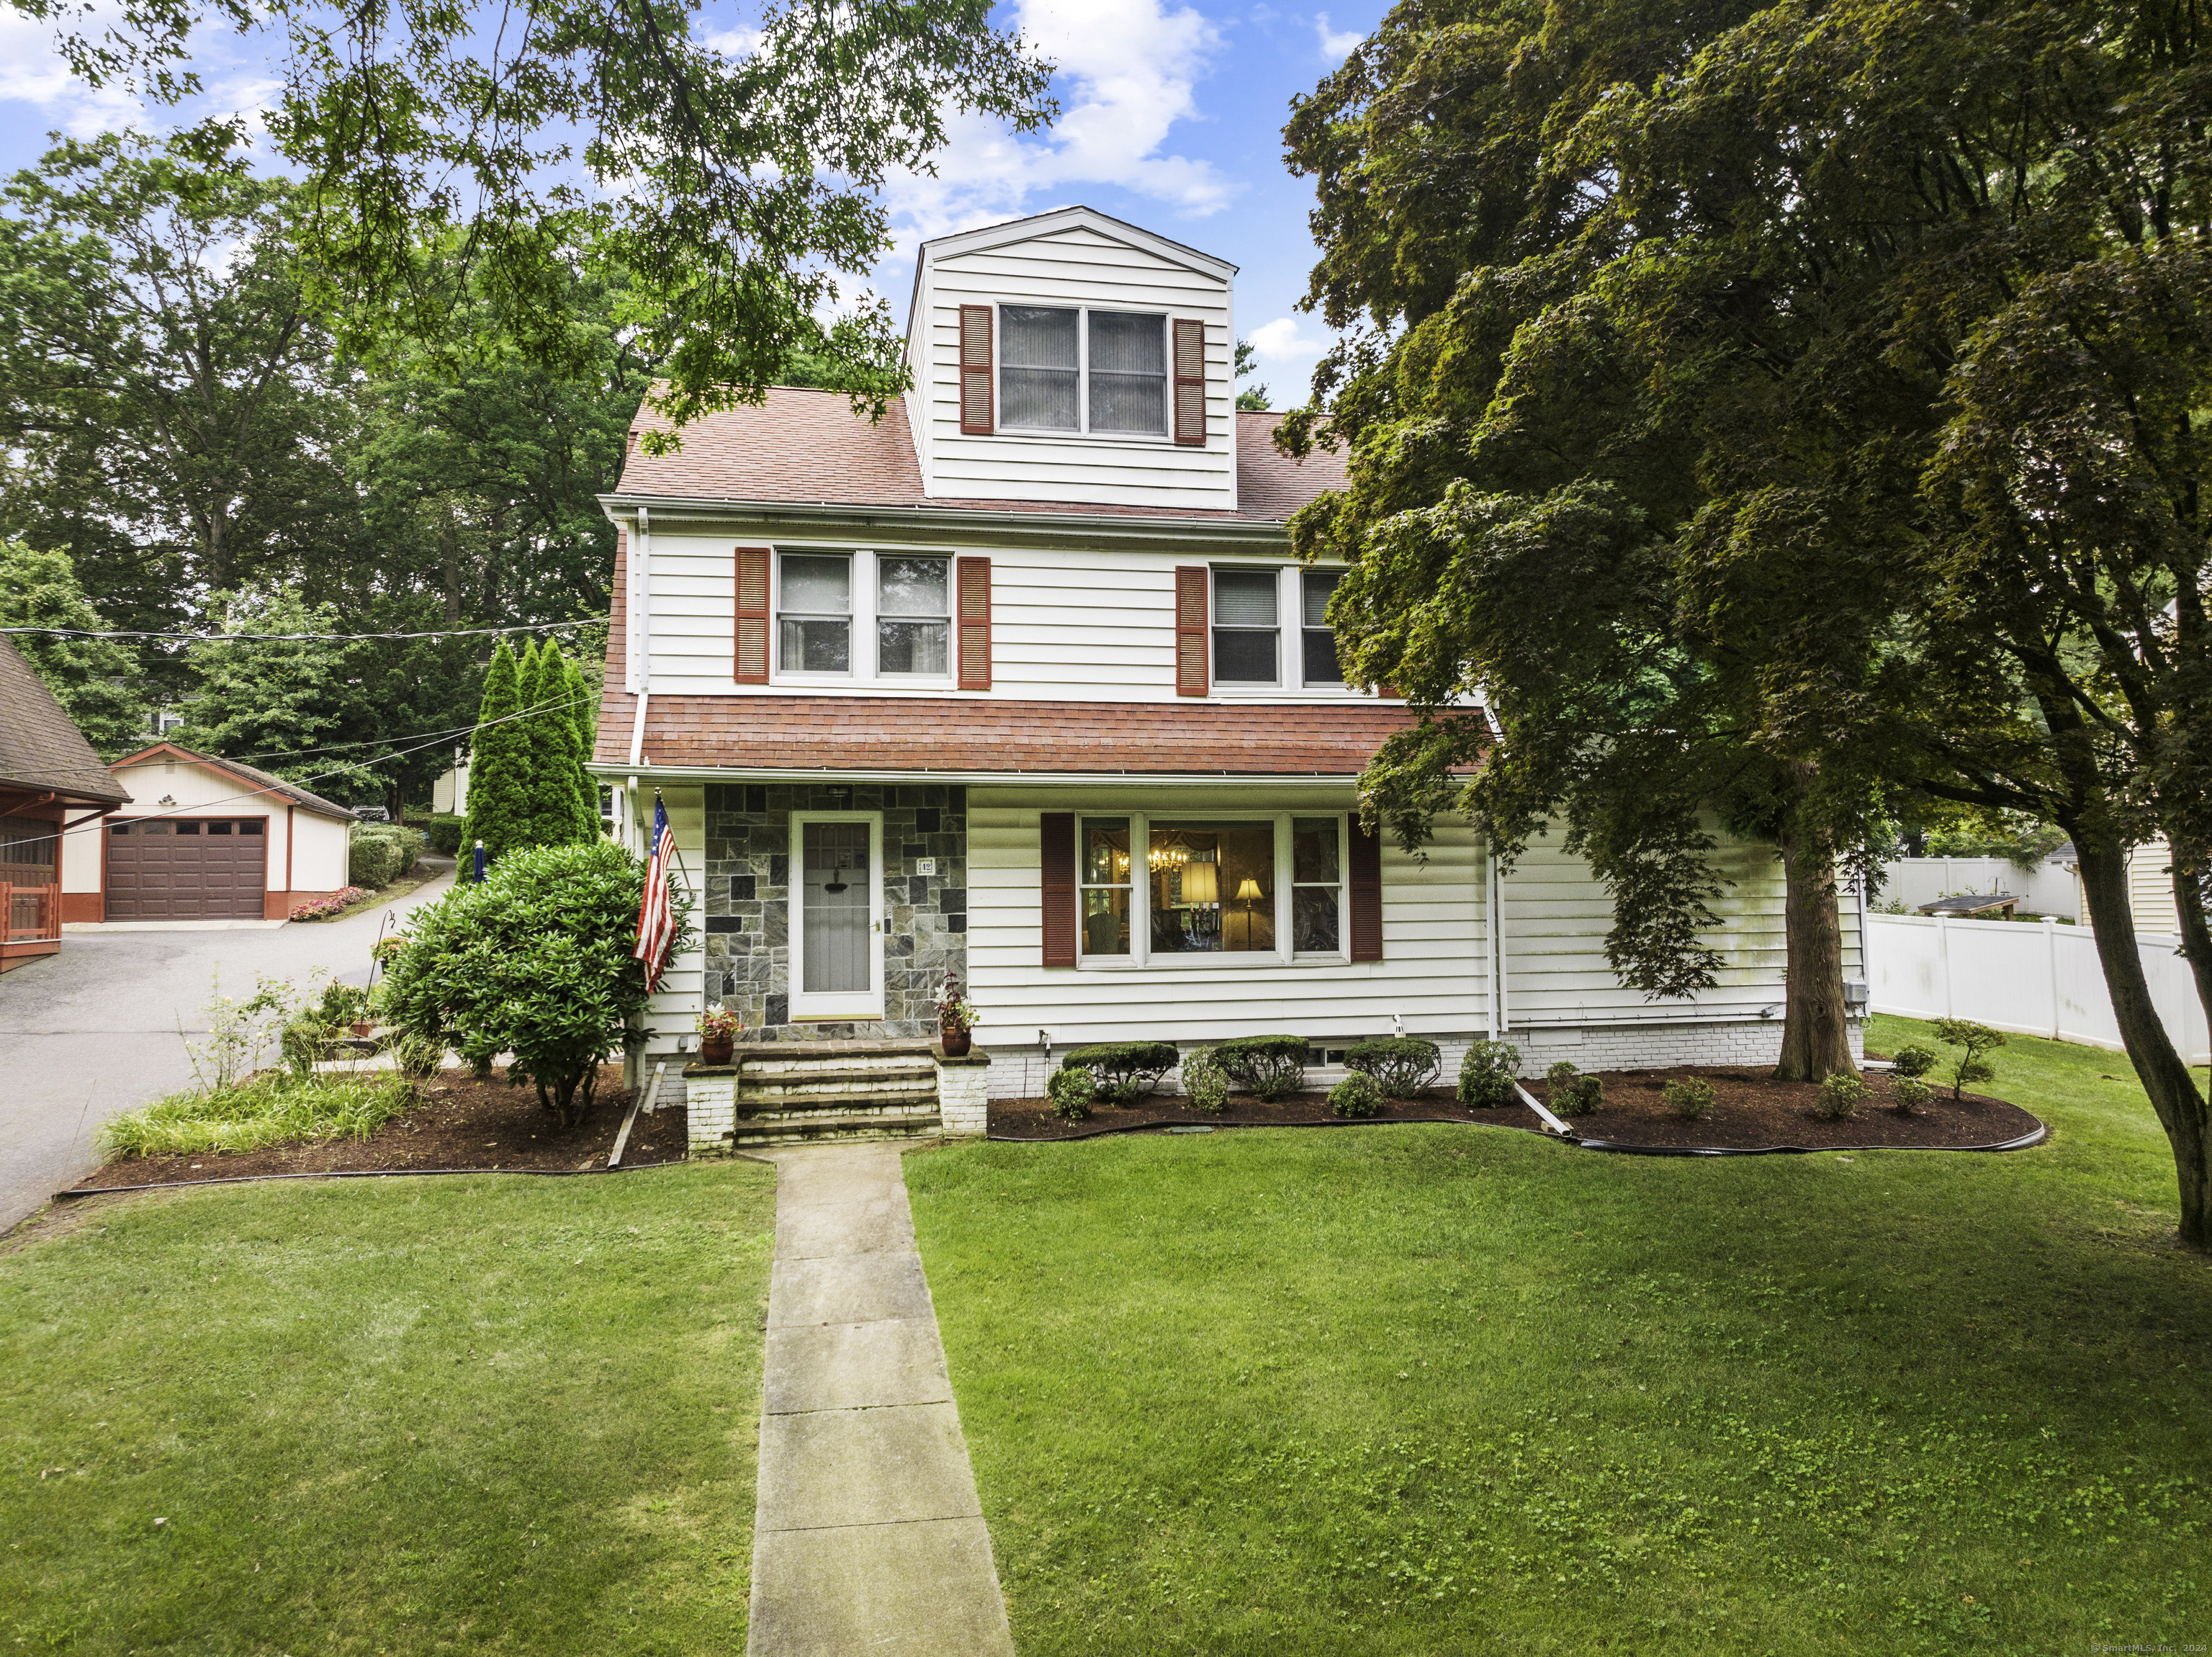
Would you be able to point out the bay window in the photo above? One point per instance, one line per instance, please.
(1163, 890)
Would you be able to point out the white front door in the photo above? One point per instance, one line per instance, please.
(836, 920)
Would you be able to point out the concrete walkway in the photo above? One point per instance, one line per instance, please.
(867, 1535)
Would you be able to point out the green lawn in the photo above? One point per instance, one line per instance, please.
(494, 1414)
(1429, 1389)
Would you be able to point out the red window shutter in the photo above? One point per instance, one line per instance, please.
(1191, 666)
(974, 623)
(751, 665)
(1189, 381)
(975, 412)
(1364, 871)
(1056, 860)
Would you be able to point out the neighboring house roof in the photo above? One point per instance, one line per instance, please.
(809, 448)
(262, 781)
(41, 747)
(921, 734)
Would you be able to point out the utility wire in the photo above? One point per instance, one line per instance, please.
(255, 794)
(322, 639)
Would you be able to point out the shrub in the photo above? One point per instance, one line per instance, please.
(1070, 1092)
(444, 831)
(1273, 1066)
(1401, 1065)
(273, 1108)
(1691, 1099)
(1840, 1097)
(1485, 1075)
(1205, 1082)
(371, 859)
(537, 962)
(1912, 1061)
(1573, 1093)
(1123, 1072)
(1358, 1095)
(321, 909)
(1910, 1094)
(1977, 1039)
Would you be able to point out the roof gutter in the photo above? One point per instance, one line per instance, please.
(1063, 525)
(967, 779)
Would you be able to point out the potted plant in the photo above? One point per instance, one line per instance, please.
(717, 1036)
(956, 1019)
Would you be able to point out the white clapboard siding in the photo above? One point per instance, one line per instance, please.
(1067, 622)
(682, 987)
(1557, 915)
(1078, 260)
(1432, 973)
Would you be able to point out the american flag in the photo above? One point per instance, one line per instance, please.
(655, 924)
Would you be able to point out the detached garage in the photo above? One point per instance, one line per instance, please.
(209, 840)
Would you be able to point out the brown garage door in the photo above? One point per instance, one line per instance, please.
(187, 869)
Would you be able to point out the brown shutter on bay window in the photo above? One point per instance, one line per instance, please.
(974, 623)
(1189, 381)
(750, 667)
(975, 369)
(1364, 888)
(1191, 674)
(1056, 860)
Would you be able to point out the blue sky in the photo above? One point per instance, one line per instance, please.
(1171, 119)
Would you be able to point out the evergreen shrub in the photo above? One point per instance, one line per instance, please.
(1841, 1094)
(1485, 1075)
(1272, 1067)
(1072, 1092)
(1123, 1072)
(1573, 1093)
(1690, 1097)
(1401, 1065)
(1205, 1082)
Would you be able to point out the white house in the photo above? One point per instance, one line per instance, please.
(1022, 683)
(203, 839)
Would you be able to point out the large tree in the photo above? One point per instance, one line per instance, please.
(1919, 288)
(97, 681)
(449, 153)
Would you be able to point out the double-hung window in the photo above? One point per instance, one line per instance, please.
(1318, 639)
(1064, 369)
(1106, 886)
(914, 620)
(814, 618)
(1245, 627)
(1316, 885)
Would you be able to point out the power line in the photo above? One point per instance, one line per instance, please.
(318, 638)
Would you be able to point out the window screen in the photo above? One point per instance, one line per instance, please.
(1244, 626)
(1317, 638)
(1038, 373)
(1129, 372)
(815, 623)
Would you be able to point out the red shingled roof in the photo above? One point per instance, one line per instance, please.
(808, 448)
(922, 734)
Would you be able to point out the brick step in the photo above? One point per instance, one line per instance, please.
(828, 1126)
(867, 1104)
(840, 1099)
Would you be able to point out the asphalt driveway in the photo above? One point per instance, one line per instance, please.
(101, 1027)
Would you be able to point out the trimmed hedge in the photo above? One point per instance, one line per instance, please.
(1273, 1066)
(1485, 1075)
(444, 831)
(1358, 1095)
(1401, 1065)
(371, 859)
(1123, 1072)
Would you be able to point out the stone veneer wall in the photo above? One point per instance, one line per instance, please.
(747, 912)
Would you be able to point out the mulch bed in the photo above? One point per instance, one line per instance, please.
(1751, 1112)
(460, 1123)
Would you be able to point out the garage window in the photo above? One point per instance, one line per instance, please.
(182, 828)
(249, 826)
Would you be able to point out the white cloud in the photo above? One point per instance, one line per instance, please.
(32, 72)
(1284, 340)
(1128, 71)
(1335, 43)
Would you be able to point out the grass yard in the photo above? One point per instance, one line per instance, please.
(493, 1414)
(1431, 1389)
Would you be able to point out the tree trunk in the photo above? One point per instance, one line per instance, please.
(2181, 1108)
(1815, 1029)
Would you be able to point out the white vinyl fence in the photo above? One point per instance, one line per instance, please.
(2047, 889)
(2033, 980)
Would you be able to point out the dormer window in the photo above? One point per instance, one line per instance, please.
(1066, 369)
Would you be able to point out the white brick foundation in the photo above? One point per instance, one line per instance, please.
(1659, 1045)
(711, 1098)
(963, 1092)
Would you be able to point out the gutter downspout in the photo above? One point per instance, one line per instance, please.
(289, 837)
(1500, 1013)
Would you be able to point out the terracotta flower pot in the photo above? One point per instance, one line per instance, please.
(717, 1050)
(363, 1026)
(957, 1043)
